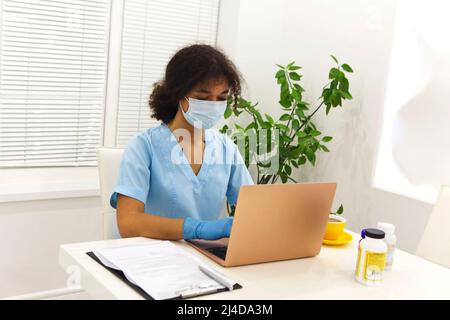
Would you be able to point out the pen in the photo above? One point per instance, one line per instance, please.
(196, 292)
(220, 278)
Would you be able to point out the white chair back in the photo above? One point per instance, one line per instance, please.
(435, 242)
(108, 169)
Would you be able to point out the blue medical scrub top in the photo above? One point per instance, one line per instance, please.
(155, 171)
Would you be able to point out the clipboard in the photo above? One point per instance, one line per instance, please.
(119, 274)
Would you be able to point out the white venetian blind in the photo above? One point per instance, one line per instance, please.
(153, 31)
(52, 81)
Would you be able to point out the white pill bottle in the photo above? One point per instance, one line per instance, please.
(371, 258)
(391, 241)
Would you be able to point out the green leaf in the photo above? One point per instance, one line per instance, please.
(256, 114)
(279, 66)
(335, 60)
(237, 113)
(294, 153)
(244, 103)
(286, 103)
(334, 73)
(285, 97)
(252, 125)
(301, 134)
(334, 84)
(340, 210)
(266, 125)
(335, 97)
(295, 124)
(294, 76)
(228, 112)
(343, 84)
(269, 118)
(302, 106)
(298, 87)
(294, 68)
(285, 117)
(311, 156)
(328, 108)
(283, 177)
(347, 68)
(326, 94)
(324, 148)
(224, 129)
(284, 139)
(296, 95)
(299, 112)
(282, 126)
(288, 170)
(279, 74)
(346, 95)
(327, 139)
(301, 161)
(315, 133)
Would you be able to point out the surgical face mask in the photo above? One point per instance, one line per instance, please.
(204, 114)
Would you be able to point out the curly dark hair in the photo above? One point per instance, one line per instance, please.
(190, 66)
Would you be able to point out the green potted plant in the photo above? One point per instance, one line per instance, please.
(293, 140)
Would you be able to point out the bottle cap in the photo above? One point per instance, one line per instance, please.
(363, 233)
(386, 227)
(375, 233)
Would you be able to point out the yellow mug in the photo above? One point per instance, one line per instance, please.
(335, 227)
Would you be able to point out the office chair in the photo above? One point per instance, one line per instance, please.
(108, 169)
(435, 242)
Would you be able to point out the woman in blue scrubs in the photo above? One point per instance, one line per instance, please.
(174, 178)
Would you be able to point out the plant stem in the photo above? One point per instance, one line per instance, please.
(309, 117)
(304, 123)
(301, 127)
(257, 169)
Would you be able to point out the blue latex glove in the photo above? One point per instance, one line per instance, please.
(207, 230)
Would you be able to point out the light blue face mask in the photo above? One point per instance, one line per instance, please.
(204, 114)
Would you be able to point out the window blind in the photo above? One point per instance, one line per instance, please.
(153, 31)
(52, 81)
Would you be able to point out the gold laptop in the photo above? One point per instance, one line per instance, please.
(273, 222)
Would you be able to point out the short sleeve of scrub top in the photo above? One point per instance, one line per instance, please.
(155, 171)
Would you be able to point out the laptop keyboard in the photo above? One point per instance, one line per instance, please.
(220, 252)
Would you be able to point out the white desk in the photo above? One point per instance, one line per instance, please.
(327, 276)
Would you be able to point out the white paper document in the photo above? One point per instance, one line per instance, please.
(161, 269)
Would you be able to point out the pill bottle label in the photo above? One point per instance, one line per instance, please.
(390, 255)
(358, 261)
(374, 266)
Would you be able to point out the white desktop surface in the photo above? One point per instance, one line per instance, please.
(330, 275)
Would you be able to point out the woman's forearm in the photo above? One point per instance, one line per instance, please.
(133, 222)
(142, 224)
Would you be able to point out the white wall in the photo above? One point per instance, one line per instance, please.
(417, 106)
(358, 32)
(39, 210)
(30, 235)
